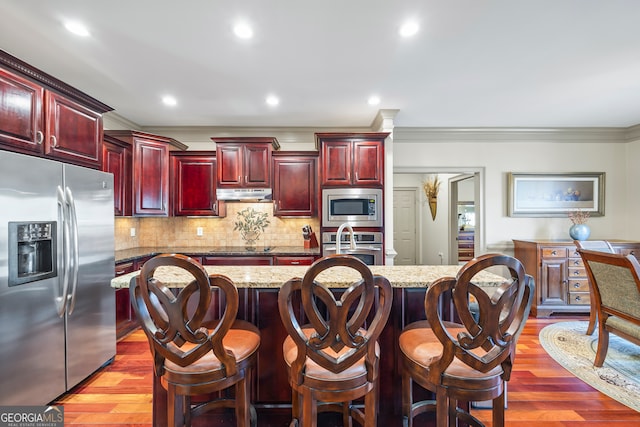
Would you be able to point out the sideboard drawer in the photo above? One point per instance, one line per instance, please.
(577, 272)
(554, 252)
(578, 285)
(579, 298)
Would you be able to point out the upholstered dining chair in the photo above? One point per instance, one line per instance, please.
(615, 279)
(593, 245)
(192, 357)
(334, 358)
(470, 360)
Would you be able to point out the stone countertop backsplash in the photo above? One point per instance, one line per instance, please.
(126, 255)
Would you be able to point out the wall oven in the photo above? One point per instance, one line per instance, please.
(360, 207)
(368, 246)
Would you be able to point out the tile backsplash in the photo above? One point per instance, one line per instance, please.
(182, 231)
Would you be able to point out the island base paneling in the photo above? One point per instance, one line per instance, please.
(270, 390)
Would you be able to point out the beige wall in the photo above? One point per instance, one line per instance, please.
(499, 158)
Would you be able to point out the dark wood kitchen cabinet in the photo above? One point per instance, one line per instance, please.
(116, 158)
(42, 116)
(125, 322)
(193, 183)
(244, 162)
(237, 260)
(150, 170)
(350, 159)
(295, 192)
(294, 260)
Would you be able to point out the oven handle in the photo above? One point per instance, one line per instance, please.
(346, 249)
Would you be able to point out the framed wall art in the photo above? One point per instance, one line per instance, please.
(555, 194)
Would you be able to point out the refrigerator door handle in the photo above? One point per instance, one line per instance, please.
(61, 301)
(74, 256)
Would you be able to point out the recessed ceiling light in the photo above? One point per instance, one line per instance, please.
(409, 29)
(243, 31)
(374, 100)
(272, 100)
(169, 100)
(77, 28)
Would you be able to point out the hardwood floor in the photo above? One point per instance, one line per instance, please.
(541, 393)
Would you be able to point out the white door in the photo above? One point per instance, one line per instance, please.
(405, 240)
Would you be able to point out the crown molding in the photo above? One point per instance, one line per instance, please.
(49, 82)
(384, 120)
(510, 135)
(633, 133)
(284, 135)
(114, 121)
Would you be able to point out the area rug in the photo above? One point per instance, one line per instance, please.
(619, 376)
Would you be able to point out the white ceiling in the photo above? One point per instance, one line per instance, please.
(492, 63)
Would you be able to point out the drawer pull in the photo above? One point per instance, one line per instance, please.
(578, 298)
(576, 273)
(576, 285)
(295, 262)
(576, 262)
(554, 252)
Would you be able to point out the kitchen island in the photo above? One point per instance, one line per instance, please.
(258, 288)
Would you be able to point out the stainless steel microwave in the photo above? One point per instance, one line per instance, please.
(360, 207)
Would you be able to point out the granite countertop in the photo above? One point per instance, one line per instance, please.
(400, 276)
(131, 254)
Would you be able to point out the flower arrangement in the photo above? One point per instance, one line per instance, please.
(578, 216)
(251, 223)
(431, 187)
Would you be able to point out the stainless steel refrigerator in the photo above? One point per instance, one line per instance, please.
(57, 308)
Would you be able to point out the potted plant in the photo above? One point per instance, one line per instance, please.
(251, 223)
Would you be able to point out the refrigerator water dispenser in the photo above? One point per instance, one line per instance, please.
(32, 252)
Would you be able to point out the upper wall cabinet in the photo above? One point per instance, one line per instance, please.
(150, 170)
(42, 116)
(193, 183)
(244, 162)
(295, 192)
(116, 158)
(350, 159)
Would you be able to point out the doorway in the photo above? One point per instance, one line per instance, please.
(436, 241)
(405, 225)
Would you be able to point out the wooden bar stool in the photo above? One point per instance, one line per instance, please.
(333, 359)
(471, 360)
(192, 358)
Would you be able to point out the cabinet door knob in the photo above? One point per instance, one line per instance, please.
(39, 137)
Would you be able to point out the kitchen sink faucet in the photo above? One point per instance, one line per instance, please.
(352, 240)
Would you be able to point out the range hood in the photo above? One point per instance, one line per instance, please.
(244, 194)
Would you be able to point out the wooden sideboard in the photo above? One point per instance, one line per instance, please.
(560, 276)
